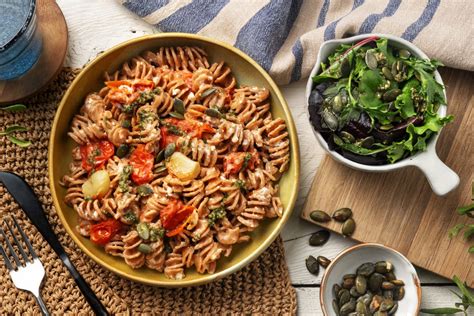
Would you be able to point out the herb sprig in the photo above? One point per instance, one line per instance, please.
(15, 128)
(467, 210)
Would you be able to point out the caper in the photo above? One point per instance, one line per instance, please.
(144, 248)
(178, 106)
(169, 150)
(347, 137)
(320, 216)
(366, 269)
(370, 59)
(122, 150)
(208, 92)
(323, 261)
(319, 238)
(312, 265)
(143, 231)
(348, 227)
(213, 113)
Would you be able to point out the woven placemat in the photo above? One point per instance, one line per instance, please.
(263, 287)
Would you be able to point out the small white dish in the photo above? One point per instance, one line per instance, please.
(347, 262)
(440, 177)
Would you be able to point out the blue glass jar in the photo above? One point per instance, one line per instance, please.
(20, 40)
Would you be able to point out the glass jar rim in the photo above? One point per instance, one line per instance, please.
(24, 27)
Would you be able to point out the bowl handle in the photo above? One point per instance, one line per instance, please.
(441, 178)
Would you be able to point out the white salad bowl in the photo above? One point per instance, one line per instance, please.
(440, 177)
(347, 262)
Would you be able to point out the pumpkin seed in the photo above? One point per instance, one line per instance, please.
(398, 282)
(366, 298)
(366, 269)
(375, 281)
(320, 216)
(349, 276)
(390, 276)
(399, 293)
(344, 296)
(348, 307)
(394, 309)
(178, 106)
(386, 305)
(143, 231)
(169, 150)
(387, 73)
(403, 53)
(354, 293)
(144, 190)
(342, 214)
(391, 95)
(348, 283)
(337, 103)
(367, 142)
(312, 265)
(348, 227)
(335, 307)
(319, 238)
(387, 294)
(375, 303)
(383, 266)
(380, 313)
(337, 140)
(371, 60)
(347, 137)
(335, 289)
(208, 92)
(160, 156)
(323, 261)
(361, 284)
(122, 150)
(144, 248)
(387, 285)
(160, 169)
(177, 115)
(361, 308)
(213, 113)
(330, 119)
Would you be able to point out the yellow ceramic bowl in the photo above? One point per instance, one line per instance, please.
(247, 72)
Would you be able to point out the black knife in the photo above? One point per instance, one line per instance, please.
(28, 201)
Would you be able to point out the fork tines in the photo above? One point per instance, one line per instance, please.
(8, 223)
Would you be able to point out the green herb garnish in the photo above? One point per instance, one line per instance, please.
(123, 180)
(131, 218)
(216, 215)
(247, 158)
(241, 185)
(14, 108)
(156, 233)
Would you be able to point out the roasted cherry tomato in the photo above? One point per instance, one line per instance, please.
(94, 155)
(173, 217)
(237, 161)
(142, 164)
(142, 84)
(174, 128)
(103, 232)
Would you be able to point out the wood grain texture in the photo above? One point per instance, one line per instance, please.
(398, 209)
(53, 29)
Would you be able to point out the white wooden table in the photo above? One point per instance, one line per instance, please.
(96, 25)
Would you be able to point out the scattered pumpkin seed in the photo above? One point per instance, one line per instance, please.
(330, 119)
(386, 285)
(335, 307)
(337, 103)
(144, 248)
(399, 293)
(208, 92)
(361, 308)
(312, 265)
(398, 282)
(177, 115)
(160, 156)
(320, 216)
(342, 214)
(375, 282)
(371, 60)
(319, 238)
(361, 284)
(391, 95)
(348, 227)
(347, 137)
(387, 73)
(143, 231)
(169, 150)
(144, 190)
(213, 113)
(366, 269)
(323, 261)
(353, 292)
(178, 106)
(348, 307)
(403, 53)
(160, 169)
(344, 297)
(383, 266)
(375, 303)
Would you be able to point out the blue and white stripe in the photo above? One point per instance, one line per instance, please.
(262, 27)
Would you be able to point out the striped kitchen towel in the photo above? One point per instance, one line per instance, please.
(284, 36)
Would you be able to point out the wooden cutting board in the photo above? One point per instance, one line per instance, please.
(398, 209)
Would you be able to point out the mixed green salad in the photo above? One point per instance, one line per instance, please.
(376, 104)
